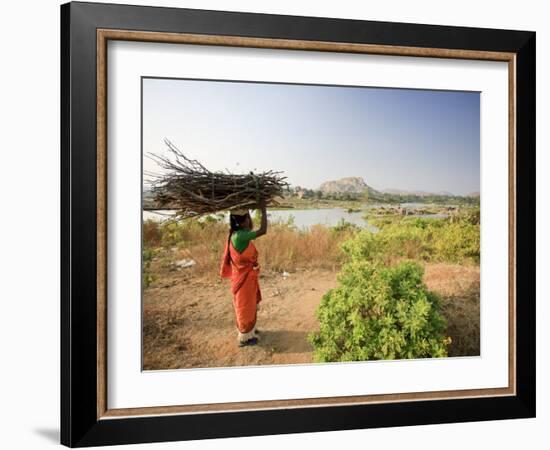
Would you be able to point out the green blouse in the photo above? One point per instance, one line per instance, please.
(241, 238)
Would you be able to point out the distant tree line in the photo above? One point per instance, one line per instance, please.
(412, 198)
(377, 196)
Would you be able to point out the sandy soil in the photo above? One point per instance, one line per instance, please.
(189, 321)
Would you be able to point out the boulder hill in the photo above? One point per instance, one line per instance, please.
(349, 185)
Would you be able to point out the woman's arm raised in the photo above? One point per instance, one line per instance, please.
(263, 225)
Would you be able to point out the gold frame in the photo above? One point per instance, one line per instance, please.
(104, 35)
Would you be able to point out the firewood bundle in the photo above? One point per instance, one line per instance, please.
(191, 189)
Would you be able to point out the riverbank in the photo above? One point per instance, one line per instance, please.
(189, 320)
(170, 245)
(187, 311)
(360, 204)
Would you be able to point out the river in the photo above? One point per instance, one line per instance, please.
(301, 218)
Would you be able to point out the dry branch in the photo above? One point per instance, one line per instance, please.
(191, 189)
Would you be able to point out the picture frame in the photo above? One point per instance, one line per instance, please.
(86, 418)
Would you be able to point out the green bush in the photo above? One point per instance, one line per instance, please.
(183, 232)
(379, 312)
(344, 226)
(472, 215)
(148, 278)
(435, 240)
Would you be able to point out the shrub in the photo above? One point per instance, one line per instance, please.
(343, 226)
(284, 248)
(379, 312)
(152, 235)
(436, 240)
(147, 276)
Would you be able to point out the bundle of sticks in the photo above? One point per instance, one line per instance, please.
(193, 190)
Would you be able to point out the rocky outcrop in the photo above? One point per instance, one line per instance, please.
(355, 185)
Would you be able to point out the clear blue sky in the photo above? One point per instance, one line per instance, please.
(393, 138)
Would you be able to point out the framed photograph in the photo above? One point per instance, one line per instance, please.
(277, 224)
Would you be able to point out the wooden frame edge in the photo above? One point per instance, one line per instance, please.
(512, 272)
(289, 44)
(101, 223)
(303, 403)
(103, 35)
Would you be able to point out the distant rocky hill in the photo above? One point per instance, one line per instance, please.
(352, 185)
(357, 185)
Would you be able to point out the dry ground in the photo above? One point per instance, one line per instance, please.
(189, 320)
(459, 288)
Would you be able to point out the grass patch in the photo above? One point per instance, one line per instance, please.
(284, 248)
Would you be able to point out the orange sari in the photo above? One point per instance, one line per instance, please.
(243, 270)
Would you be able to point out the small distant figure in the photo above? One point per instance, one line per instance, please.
(240, 264)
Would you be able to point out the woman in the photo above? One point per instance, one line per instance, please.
(240, 264)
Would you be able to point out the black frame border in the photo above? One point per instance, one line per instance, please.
(79, 424)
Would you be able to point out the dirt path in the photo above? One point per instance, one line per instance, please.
(190, 322)
(193, 325)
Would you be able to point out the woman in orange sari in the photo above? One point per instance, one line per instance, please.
(240, 264)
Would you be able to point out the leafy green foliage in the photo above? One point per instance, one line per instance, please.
(344, 226)
(435, 240)
(384, 197)
(148, 277)
(181, 232)
(379, 312)
(472, 216)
